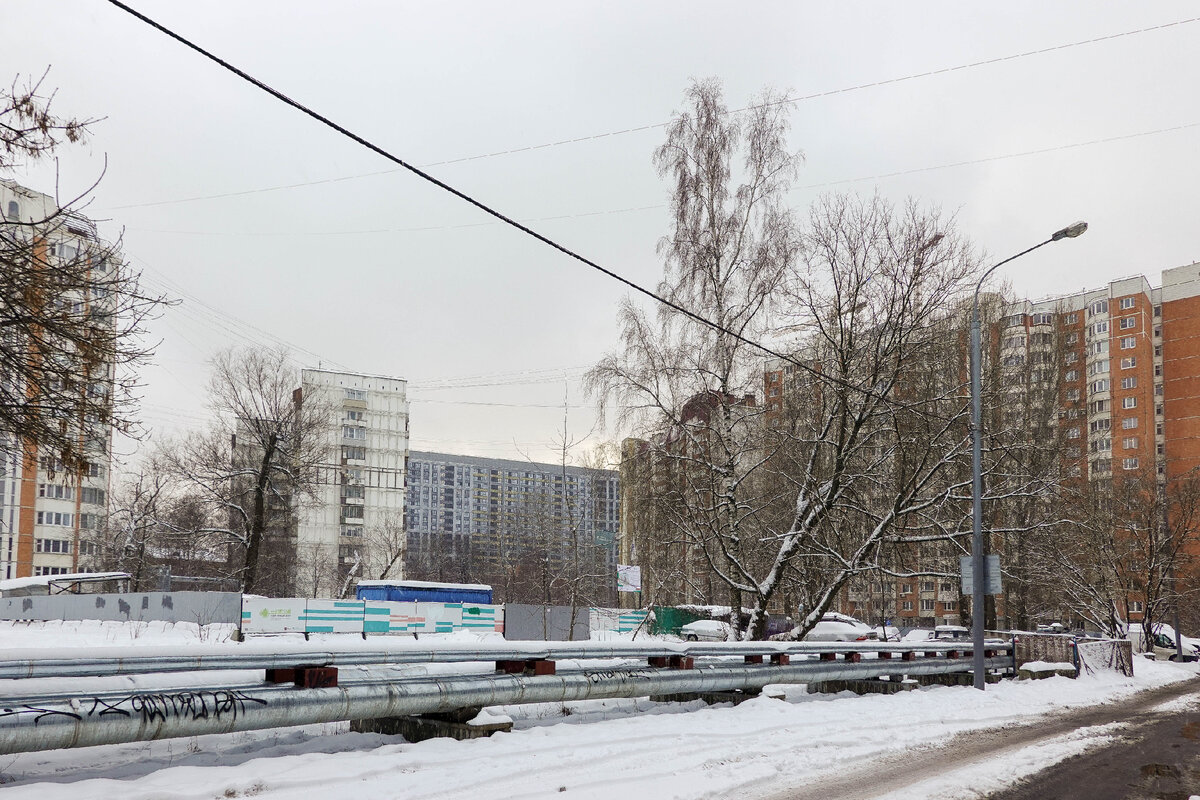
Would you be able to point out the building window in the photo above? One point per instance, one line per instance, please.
(1129, 362)
(1129, 443)
(1158, 410)
(1129, 383)
(95, 497)
(1158, 370)
(1127, 303)
(1071, 357)
(1129, 463)
(1135, 606)
(350, 432)
(1099, 307)
(1095, 348)
(951, 605)
(1072, 452)
(1158, 390)
(352, 512)
(1128, 342)
(1158, 351)
(353, 531)
(1070, 319)
(52, 546)
(1073, 433)
(1098, 407)
(1098, 328)
(906, 588)
(1072, 395)
(1129, 423)
(54, 518)
(1128, 402)
(56, 492)
(1103, 465)
(1072, 338)
(356, 394)
(1158, 331)
(1127, 323)
(908, 605)
(1041, 319)
(927, 605)
(1099, 425)
(1158, 311)
(355, 416)
(1102, 445)
(1071, 375)
(1098, 367)
(1100, 385)
(359, 453)
(49, 570)
(926, 586)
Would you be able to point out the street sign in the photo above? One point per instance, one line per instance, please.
(991, 575)
(629, 579)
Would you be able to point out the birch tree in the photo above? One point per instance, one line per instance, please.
(731, 243)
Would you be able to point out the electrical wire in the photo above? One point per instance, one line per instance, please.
(278, 95)
(658, 206)
(657, 125)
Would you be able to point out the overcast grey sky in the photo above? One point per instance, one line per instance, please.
(387, 274)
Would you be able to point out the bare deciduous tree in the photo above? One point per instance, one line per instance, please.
(731, 244)
(72, 313)
(258, 461)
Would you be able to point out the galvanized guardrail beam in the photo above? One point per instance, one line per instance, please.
(109, 661)
(113, 718)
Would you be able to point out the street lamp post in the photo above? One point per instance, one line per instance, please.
(977, 557)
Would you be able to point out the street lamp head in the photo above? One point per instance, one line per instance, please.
(1070, 232)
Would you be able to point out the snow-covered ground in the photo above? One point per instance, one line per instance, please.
(594, 749)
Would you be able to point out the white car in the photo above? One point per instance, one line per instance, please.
(706, 630)
(835, 627)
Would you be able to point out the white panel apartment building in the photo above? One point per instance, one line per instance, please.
(47, 513)
(358, 516)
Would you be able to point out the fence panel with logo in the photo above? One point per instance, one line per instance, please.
(618, 620)
(261, 615)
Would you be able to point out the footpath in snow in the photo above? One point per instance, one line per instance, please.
(593, 749)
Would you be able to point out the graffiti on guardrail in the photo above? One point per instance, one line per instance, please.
(190, 705)
(620, 675)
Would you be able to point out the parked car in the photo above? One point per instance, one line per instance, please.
(1164, 643)
(706, 630)
(951, 633)
(835, 627)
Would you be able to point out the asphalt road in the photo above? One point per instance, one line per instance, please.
(1156, 755)
(1156, 758)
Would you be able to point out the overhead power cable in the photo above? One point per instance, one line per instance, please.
(656, 125)
(1057, 148)
(448, 188)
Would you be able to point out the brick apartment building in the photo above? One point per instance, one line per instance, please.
(1129, 403)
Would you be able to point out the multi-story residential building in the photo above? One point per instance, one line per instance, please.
(46, 509)
(1123, 361)
(356, 521)
(515, 524)
(659, 478)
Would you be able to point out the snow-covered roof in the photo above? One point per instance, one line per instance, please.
(72, 577)
(428, 585)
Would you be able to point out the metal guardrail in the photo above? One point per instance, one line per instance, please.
(116, 717)
(118, 661)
